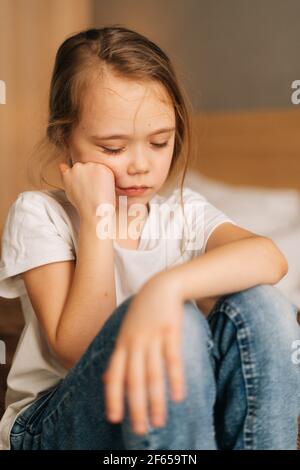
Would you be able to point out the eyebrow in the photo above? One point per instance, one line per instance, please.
(125, 136)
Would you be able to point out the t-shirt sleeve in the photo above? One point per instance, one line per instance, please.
(34, 234)
(213, 217)
(204, 218)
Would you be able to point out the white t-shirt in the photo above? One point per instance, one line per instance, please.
(42, 227)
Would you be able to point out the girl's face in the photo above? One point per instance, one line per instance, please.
(130, 127)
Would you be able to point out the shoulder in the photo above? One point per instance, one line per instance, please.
(188, 195)
(38, 199)
(36, 232)
(188, 198)
(36, 224)
(36, 205)
(198, 211)
(36, 215)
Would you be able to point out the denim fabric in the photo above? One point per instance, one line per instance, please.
(242, 385)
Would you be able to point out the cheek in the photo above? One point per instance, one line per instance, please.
(163, 164)
(116, 166)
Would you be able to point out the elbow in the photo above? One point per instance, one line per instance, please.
(64, 352)
(63, 356)
(279, 264)
(65, 360)
(283, 270)
(285, 267)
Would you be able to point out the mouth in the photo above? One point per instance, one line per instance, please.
(132, 190)
(134, 187)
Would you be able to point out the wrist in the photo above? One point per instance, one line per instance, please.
(91, 228)
(169, 281)
(93, 218)
(87, 219)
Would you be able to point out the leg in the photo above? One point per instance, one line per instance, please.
(190, 423)
(72, 416)
(257, 382)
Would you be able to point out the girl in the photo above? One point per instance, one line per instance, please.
(139, 339)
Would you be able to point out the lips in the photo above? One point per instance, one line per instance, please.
(134, 187)
(132, 191)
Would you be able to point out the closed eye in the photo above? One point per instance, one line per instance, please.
(160, 145)
(116, 151)
(107, 150)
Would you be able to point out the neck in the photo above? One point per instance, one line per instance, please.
(131, 218)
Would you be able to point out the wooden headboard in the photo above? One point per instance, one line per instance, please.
(260, 148)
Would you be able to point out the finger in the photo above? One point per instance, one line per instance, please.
(136, 388)
(114, 386)
(156, 383)
(174, 363)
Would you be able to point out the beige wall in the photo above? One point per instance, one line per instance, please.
(233, 54)
(30, 32)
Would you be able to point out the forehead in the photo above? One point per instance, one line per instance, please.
(126, 105)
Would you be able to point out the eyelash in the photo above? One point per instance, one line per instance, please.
(116, 151)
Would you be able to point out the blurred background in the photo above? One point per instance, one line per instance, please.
(237, 60)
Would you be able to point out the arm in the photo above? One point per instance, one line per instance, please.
(235, 259)
(71, 301)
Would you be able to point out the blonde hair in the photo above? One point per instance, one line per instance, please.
(79, 60)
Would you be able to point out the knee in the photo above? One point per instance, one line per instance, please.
(269, 310)
(269, 317)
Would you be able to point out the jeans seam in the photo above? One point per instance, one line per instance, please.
(30, 425)
(248, 366)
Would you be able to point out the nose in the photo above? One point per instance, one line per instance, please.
(139, 162)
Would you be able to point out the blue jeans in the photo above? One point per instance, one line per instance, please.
(241, 382)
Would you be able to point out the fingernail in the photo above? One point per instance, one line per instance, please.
(158, 421)
(114, 417)
(140, 428)
(179, 395)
